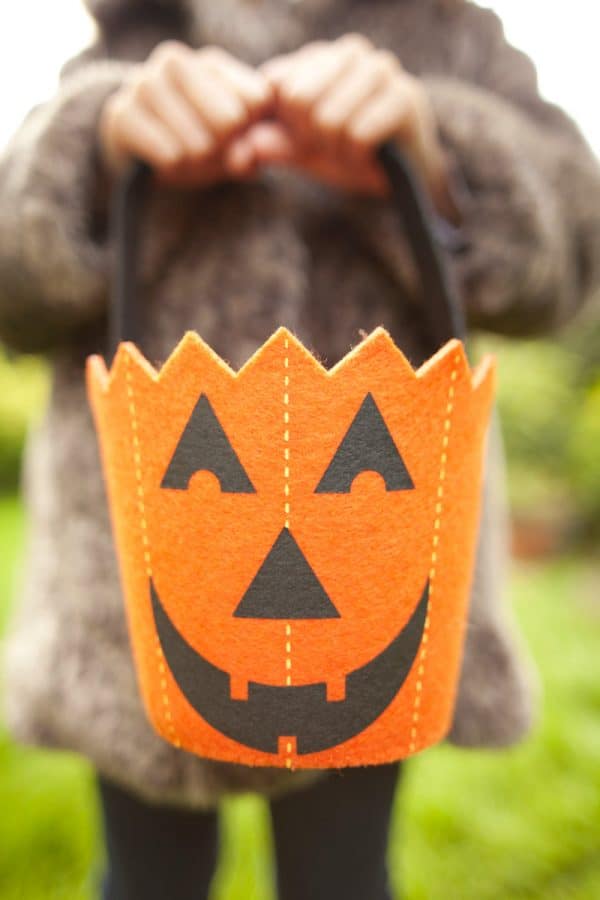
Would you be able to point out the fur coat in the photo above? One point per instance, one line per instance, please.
(325, 266)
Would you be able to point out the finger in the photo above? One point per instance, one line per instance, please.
(264, 143)
(178, 116)
(390, 113)
(397, 114)
(348, 94)
(281, 66)
(251, 86)
(318, 68)
(142, 135)
(312, 76)
(220, 108)
(239, 159)
(275, 69)
(272, 143)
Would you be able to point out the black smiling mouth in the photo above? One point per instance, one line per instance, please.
(301, 711)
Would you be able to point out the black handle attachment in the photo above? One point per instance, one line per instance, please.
(442, 307)
(126, 215)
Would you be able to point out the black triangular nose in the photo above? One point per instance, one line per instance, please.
(285, 587)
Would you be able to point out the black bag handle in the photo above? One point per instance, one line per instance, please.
(443, 310)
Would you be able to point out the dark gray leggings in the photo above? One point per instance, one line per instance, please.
(330, 842)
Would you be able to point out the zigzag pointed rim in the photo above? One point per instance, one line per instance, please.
(379, 342)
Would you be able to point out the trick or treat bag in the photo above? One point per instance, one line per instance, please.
(296, 544)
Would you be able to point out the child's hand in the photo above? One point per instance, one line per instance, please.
(185, 112)
(337, 102)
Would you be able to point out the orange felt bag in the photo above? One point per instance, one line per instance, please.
(296, 544)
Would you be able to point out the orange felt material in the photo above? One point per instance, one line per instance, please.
(373, 550)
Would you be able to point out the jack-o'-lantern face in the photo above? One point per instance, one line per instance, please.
(296, 544)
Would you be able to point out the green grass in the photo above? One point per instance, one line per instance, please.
(517, 825)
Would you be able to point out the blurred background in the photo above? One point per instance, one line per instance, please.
(523, 823)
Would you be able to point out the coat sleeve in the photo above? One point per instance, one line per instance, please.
(531, 211)
(55, 256)
(53, 248)
(528, 184)
(532, 186)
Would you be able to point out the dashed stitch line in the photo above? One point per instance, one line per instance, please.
(286, 510)
(141, 505)
(439, 508)
(288, 650)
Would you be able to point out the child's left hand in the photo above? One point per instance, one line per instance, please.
(335, 102)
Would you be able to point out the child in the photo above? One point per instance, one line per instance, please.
(251, 112)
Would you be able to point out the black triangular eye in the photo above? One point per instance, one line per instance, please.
(205, 446)
(367, 447)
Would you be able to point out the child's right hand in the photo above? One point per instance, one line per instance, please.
(185, 112)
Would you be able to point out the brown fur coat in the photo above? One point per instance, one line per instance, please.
(233, 263)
